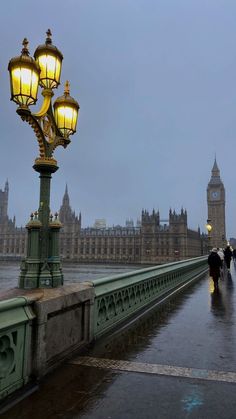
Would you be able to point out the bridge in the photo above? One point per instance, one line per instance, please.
(174, 359)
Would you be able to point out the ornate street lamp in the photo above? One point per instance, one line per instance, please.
(66, 112)
(24, 78)
(209, 228)
(42, 266)
(49, 59)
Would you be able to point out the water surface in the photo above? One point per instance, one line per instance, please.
(73, 272)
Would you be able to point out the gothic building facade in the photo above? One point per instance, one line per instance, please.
(12, 238)
(149, 242)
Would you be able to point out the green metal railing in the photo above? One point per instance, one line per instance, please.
(15, 341)
(121, 296)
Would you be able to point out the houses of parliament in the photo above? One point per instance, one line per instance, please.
(151, 241)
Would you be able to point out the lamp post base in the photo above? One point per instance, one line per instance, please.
(35, 274)
(42, 267)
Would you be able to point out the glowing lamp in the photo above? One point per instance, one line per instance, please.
(24, 78)
(49, 59)
(66, 111)
(209, 227)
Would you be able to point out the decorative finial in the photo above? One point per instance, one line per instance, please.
(49, 37)
(67, 88)
(25, 49)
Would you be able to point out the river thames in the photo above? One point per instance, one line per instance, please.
(74, 272)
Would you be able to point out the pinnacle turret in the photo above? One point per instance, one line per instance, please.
(215, 175)
(215, 170)
(6, 186)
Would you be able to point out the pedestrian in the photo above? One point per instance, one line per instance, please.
(234, 256)
(221, 254)
(215, 263)
(228, 256)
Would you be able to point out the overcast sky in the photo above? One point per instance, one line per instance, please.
(156, 83)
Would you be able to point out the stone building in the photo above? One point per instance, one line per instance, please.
(216, 208)
(12, 238)
(150, 241)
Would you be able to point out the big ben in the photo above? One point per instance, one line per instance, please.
(216, 207)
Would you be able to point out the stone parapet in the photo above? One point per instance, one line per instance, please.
(39, 329)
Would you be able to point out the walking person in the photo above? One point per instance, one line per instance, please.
(234, 256)
(215, 263)
(228, 256)
(221, 254)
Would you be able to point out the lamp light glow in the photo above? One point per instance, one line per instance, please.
(49, 59)
(209, 227)
(66, 112)
(24, 78)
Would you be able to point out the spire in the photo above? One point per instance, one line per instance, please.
(66, 200)
(215, 170)
(7, 186)
(215, 175)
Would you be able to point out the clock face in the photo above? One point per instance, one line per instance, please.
(215, 194)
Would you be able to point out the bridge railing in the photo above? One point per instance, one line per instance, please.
(15, 342)
(121, 296)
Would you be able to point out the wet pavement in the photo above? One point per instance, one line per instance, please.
(177, 362)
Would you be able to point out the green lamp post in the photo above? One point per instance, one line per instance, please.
(42, 267)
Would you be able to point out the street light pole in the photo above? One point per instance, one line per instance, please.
(209, 229)
(42, 267)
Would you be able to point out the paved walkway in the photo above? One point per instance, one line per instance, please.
(178, 362)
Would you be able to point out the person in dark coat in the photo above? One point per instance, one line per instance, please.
(234, 255)
(215, 263)
(228, 256)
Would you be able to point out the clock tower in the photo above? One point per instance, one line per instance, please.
(216, 208)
